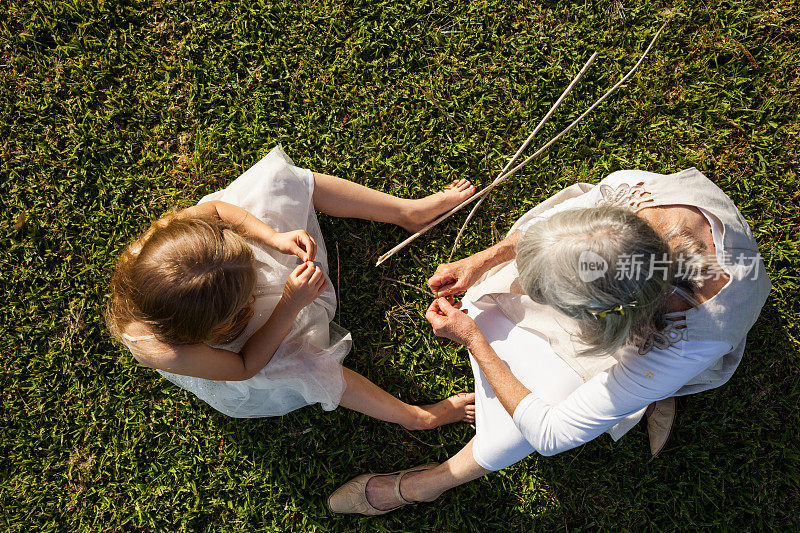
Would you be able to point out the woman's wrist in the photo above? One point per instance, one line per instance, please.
(476, 343)
(498, 254)
(480, 262)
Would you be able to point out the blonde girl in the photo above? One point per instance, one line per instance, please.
(230, 299)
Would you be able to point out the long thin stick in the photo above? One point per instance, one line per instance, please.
(525, 145)
(480, 194)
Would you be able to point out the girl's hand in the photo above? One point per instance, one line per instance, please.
(304, 285)
(451, 279)
(297, 243)
(449, 321)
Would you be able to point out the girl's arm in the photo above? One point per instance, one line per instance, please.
(202, 361)
(297, 243)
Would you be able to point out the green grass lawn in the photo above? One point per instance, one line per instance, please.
(112, 112)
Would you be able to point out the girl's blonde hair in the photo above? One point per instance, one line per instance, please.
(190, 280)
(626, 304)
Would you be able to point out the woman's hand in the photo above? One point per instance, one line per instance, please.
(451, 279)
(297, 243)
(449, 321)
(304, 285)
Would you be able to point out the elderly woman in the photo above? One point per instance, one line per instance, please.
(601, 302)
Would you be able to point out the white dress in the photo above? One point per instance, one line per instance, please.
(306, 368)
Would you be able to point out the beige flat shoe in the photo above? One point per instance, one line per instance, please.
(352, 496)
(659, 424)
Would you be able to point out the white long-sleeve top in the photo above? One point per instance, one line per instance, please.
(609, 397)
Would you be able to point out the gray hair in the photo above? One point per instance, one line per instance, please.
(611, 310)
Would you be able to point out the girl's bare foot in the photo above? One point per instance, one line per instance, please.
(421, 212)
(457, 408)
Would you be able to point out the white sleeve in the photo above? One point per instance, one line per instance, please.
(627, 387)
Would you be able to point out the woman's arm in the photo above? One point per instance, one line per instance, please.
(624, 389)
(451, 279)
(448, 320)
(202, 361)
(552, 429)
(509, 390)
(595, 406)
(297, 242)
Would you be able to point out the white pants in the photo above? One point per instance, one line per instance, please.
(498, 442)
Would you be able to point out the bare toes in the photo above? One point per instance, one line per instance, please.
(466, 191)
(469, 414)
